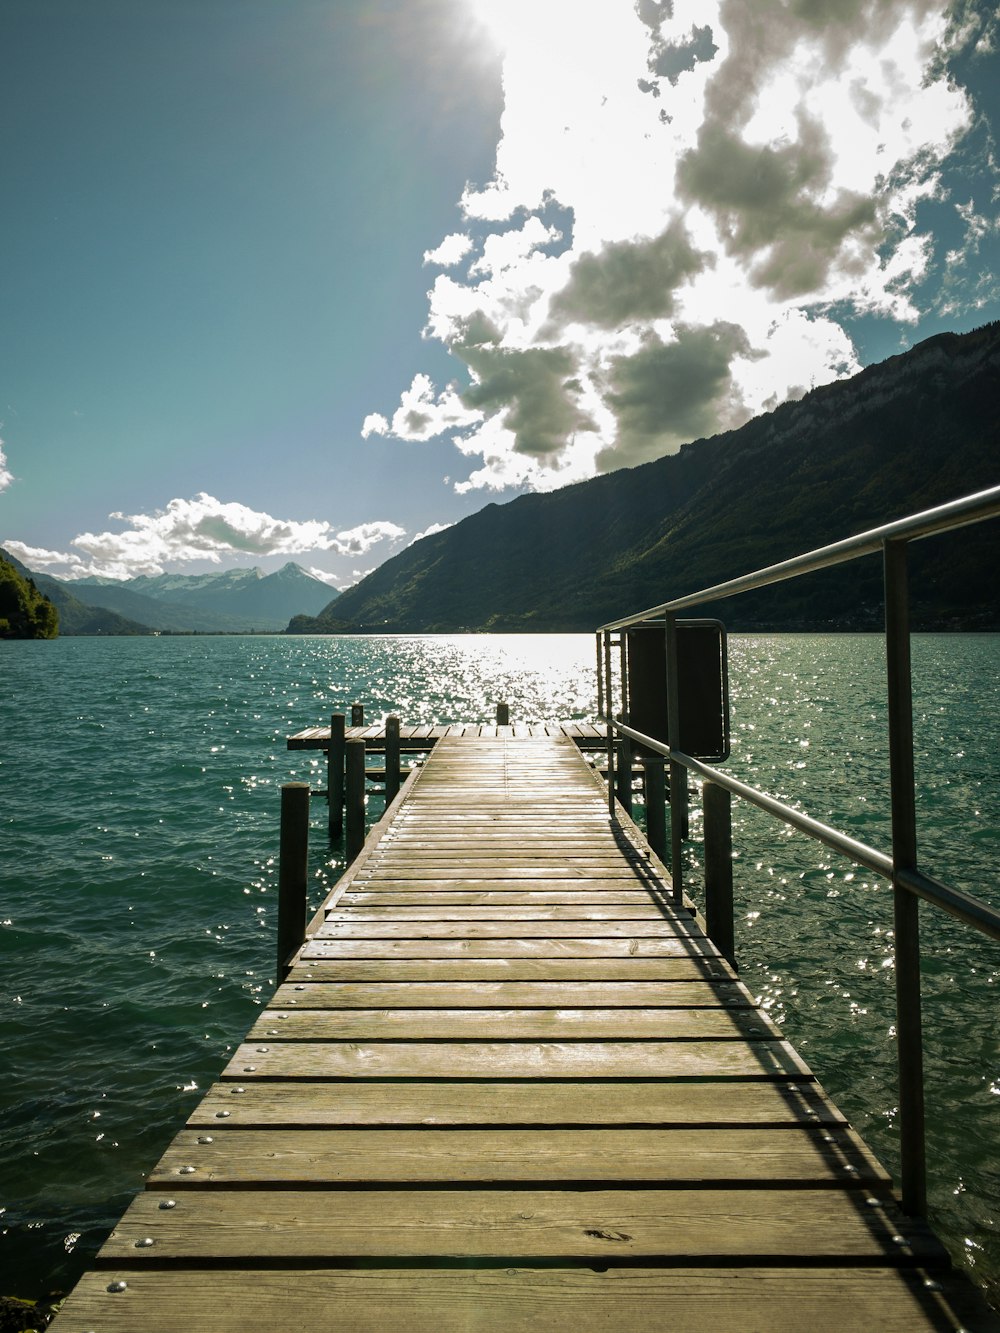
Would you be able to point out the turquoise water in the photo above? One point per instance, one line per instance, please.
(138, 828)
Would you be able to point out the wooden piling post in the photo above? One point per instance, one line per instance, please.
(335, 775)
(717, 805)
(357, 715)
(503, 715)
(391, 758)
(293, 871)
(656, 805)
(624, 774)
(355, 797)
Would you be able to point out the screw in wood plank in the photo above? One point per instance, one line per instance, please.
(167, 1203)
(205, 1138)
(144, 1243)
(222, 1115)
(118, 1286)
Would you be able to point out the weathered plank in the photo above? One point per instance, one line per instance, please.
(722, 1023)
(590, 1225)
(516, 1059)
(529, 1102)
(578, 946)
(512, 994)
(832, 1299)
(628, 968)
(304, 1158)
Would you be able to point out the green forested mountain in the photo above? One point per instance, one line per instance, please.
(24, 612)
(915, 431)
(74, 616)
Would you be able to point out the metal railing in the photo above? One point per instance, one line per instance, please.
(900, 867)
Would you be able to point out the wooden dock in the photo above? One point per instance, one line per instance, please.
(507, 1085)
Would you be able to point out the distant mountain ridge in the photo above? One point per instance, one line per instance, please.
(234, 601)
(912, 432)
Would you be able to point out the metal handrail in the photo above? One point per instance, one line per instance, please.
(909, 883)
(956, 514)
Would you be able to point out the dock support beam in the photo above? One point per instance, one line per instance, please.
(503, 715)
(717, 804)
(293, 872)
(391, 759)
(909, 1040)
(655, 784)
(335, 775)
(355, 795)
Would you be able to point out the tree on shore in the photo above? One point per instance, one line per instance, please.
(24, 612)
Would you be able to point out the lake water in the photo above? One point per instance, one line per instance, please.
(139, 793)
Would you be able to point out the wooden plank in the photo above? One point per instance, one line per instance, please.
(693, 1158)
(514, 947)
(833, 1299)
(397, 896)
(722, 1023)
(552, 995)
(351, 913)
(599, 1225)
(442, 1103)
(516, 1059)
(627, 967)
(519, 928)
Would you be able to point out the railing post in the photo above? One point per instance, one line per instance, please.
(293, 871)
(906, 906)
(335, 775)
(503, 715)
(357, 715)
(678, 773)
(609, 710)
(623, 782)
(391, 759)
(600, 677)
(717, 805)
(656, 805)
(355, 798)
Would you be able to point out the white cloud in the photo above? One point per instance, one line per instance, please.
(37, 557)
(451, 251)
(6, 476)
(324, 576)
(422, 413)
(429, 532)
(720, 176)
(359, 540)
(204, 529)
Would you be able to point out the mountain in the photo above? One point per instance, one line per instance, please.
(912, 432)
(233, 601)
(74, 616)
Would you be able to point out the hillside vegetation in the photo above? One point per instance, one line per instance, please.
(24, 612)
(915, 431)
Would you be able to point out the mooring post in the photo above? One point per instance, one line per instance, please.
(335, 775)
(656, 805)
(293, 871)
(503, 715)
(357, 715)
(717, 805)
(391, 759)
(355, 797)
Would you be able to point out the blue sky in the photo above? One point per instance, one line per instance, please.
(285, 279)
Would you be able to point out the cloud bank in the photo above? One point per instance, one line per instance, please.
(6, 476)
(690, 200)
(200, 529)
